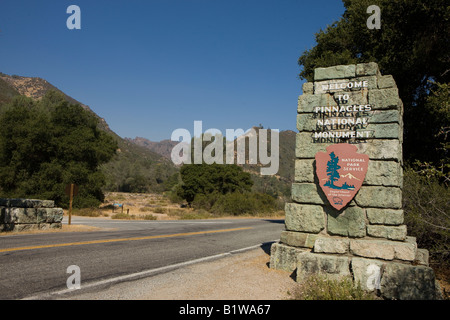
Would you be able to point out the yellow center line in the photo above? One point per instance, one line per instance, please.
(122, 239)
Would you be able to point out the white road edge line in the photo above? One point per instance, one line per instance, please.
(145, 273)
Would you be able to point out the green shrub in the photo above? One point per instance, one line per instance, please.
(87, 212)
(319, 287)
(48, 143)
(205, 201)
(123, 216)
(426, 205)
(159, 210)
(244, 203)
(175, 212)
(148, 217)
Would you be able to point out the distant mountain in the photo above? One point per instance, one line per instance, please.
(132, 165)
(36, 88)
(163, 147)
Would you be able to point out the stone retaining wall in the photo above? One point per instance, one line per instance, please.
(28, 214)
(366, 239)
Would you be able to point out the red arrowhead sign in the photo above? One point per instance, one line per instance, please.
(341, 172)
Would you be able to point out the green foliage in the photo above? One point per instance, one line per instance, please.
(318, 287)
(6, 92)
(47, 144)
(136, 169)
(223, 190)
(427, 206)
(214, 178)
(123, 216)
(244, 203)
(413, 47)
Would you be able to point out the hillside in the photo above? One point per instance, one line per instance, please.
(277, 184)
(163, 147)
(282, 181)
(141, 165)
(132, 165)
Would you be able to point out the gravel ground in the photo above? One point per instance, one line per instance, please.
(242, 276)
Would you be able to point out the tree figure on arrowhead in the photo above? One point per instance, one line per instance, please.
(332, 171)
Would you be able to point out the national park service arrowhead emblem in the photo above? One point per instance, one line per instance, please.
(341, 172)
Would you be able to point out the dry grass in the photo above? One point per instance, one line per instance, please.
(148, 206)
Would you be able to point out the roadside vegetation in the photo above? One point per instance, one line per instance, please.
(319, 287)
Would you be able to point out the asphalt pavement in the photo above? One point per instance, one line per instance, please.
(35, 266)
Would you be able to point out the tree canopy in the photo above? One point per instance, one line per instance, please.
(212, 178)
(47, 144)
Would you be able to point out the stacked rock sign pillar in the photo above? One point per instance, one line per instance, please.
(346, 217)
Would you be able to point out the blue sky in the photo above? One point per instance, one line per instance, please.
(150, 67)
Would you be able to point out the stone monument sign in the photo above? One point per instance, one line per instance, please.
(346, 216)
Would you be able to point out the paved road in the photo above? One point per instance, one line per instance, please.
(35, 265)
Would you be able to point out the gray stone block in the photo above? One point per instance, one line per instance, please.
(367, 69)
(49, 215)
(308, 88)
(422, 257)
(306, 122)
(385, 216)
(307, 103)
(349, 223)
(355, 87)
(379, 197)
(307, 193)
(335, 72)
(283, 257)
(332, 266)
(49, 226)
(25, 227)
(384, 116)
(305, 148)
(331, 245)
(27, 203)
(386, 82)
(383, 249)
(384, 173)
(379, 149)
(384, 99)
(367, 273)
(395, 280)
(376, 149)
(298, 239)
(388, 232)
(408, 282)
(304, 218)
(383, 130)
(20, 215)
(304, 170)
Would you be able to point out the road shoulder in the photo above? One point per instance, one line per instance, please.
(240, 276)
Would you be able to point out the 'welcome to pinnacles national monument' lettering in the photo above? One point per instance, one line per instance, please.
(346, 217)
